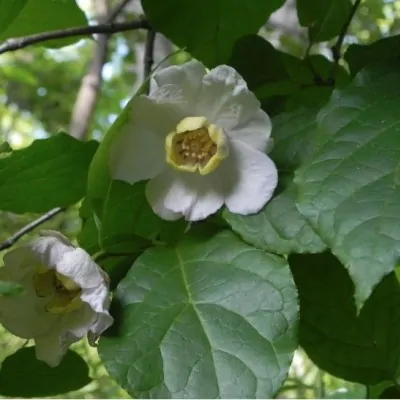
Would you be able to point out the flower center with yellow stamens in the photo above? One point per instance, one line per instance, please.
(196, 145)
(63, 292)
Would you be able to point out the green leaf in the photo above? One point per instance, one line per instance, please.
(208, 29)
(127, 216)
(349, 189)
(325, 19)
(22, 375)
(9, 11)
(28, 17)
(279, 227)
(50, 173)
(359, 56)
(211, 317)
(99, 179)
(10, 288)
(257, 61)
(88, 237)
(5, 148)
(361, 348)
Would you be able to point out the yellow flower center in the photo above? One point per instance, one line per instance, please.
(64, 293)
(196, 145)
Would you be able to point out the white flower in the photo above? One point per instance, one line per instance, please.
(200, 138)
(66, 296)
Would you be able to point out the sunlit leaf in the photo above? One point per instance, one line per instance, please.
(211, 317)
(208, 28)
(349, 189)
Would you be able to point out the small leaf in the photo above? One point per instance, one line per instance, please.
(361, 348)
(325, 19)
(49, 173)
(127, 216)
(279, 227)
(209, 318)
(10, 288)
(257, 61)
(22, 375)
(99, 179)
(5, 148)
(359, 56)
(208, 29)
(27, 18)
(349, 188)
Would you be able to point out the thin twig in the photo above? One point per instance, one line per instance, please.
(337, 48)
(30, 227)
(118, 9)
(24, 41)
(149, 54)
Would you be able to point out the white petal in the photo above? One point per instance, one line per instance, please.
(188, 77)
(78, 266)
(185, 194)
(49, 250)
(255, 131)
(227, 102)
(49, 350)
(23, 315)
(138, 152)
(253, 178)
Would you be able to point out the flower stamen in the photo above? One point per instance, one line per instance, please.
(196, 145)
(63, 292)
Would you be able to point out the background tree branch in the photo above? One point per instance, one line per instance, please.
(89, 90)
(24, 41)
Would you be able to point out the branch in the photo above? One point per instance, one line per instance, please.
(89, 90)
(30, 227)
(118, 9)
(337, 48)
(149, 54)
(24, 41)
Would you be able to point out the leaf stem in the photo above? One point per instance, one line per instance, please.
(337, 47)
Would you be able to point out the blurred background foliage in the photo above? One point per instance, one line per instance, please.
(38, 91)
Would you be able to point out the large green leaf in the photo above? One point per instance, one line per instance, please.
(22, 375)
(9, 11)
(325, 19)
(49, 173)
(211, 317)
(208, 28)
(362, 348)
(349, 189)
(34, 16)
(279, 227)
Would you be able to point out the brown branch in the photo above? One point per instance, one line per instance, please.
(149, 54)
(30, 227)
(89, 90)
(24, 41)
